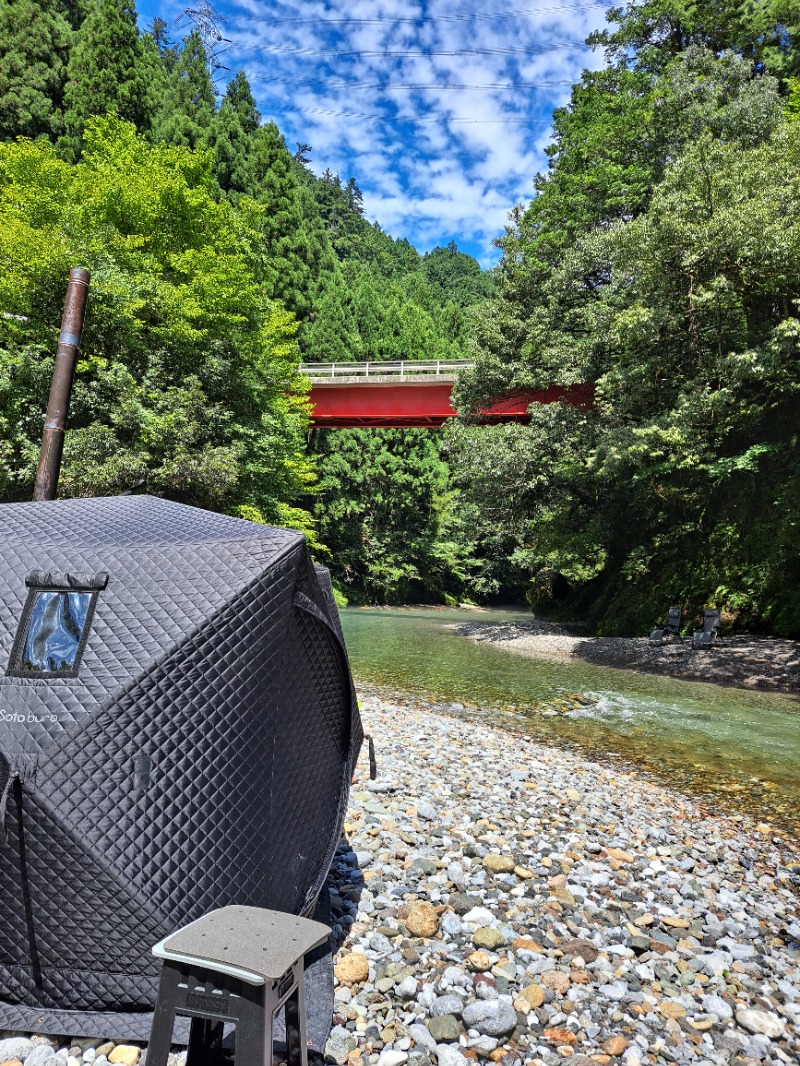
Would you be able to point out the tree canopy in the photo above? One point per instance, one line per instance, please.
(188, 370)
(659, 260)
(218, 261)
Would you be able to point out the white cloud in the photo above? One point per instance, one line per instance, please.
(434, 162)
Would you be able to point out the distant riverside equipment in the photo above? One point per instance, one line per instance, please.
(672, 627)
(711, 631)
(413, 393)
(178, 730)
(701, 638)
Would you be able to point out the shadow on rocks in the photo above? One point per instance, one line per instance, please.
(344, 885)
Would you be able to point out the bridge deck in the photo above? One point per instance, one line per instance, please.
(409, 370)
(411, 394)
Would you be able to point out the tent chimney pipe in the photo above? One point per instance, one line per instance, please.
(69, 340)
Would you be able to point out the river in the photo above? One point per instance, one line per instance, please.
(731, 748)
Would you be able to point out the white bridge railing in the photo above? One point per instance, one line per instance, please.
(400, 369)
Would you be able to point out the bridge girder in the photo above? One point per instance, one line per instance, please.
(414, 404)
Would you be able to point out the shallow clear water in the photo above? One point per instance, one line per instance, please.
(738, 747)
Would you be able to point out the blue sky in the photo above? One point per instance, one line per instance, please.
(439, 108)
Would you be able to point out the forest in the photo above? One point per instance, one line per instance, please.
(658, 258)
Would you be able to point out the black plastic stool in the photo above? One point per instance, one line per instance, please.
(239, 965)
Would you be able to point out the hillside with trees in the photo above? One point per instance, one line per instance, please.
(659, 259)
(219, 262)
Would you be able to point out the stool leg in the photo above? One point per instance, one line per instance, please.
(254, 1031)
(214, 1034)
(163, 1017)
(296, 1044)
(205, 1042)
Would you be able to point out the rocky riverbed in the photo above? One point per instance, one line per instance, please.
(516, 903)
(769, 663)
(496, 900)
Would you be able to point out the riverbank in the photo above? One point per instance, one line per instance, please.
(512, 902)
(496, 900)
(768, 663)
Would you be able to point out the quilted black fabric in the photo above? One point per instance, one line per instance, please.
(215, 659)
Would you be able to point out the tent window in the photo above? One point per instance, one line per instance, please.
(52, 633)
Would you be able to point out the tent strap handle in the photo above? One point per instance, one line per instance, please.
(373, 762)
(13, 776)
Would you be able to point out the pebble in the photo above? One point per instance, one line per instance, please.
(493, 1018)
(499, 864)
(488, 937)
(339, 1045)
(533, 995)
(718, 1006)
(392, 1058)
(407, 988)
(39, 1055)
(422, 920)
(615, 1045)
(447, 1005)
(761, 1021)
(351, 969)
(124, 1055)
(15, 1048)
(422, 1036)
(447, 1055)
(444, 1028)
(611, 923)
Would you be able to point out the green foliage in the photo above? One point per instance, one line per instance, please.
(396, 528)
(457, 278)
(386, 512)
(793, 101)
(651, 33)
(106, 72)
(185, 109)
(35, 38)
(528, 504)
(188, 370)
(421, 312)
(294, 238)
(660, 259)
(341, 209)
(231, 137)
(217, 258)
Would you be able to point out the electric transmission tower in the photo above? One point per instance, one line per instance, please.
(208, 22)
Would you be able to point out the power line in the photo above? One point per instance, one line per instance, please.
(330, 113)
(479, 16)
(302, 52)
(414, 85)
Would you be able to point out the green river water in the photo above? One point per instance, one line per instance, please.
(734, 749)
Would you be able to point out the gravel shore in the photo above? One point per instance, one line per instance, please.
(499, 900)
(743, 661)
(523, 905)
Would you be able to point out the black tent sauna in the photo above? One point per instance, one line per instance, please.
(178, 729)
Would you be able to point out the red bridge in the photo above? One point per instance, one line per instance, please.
(408, 394)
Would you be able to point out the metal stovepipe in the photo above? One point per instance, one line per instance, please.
(55, 422)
